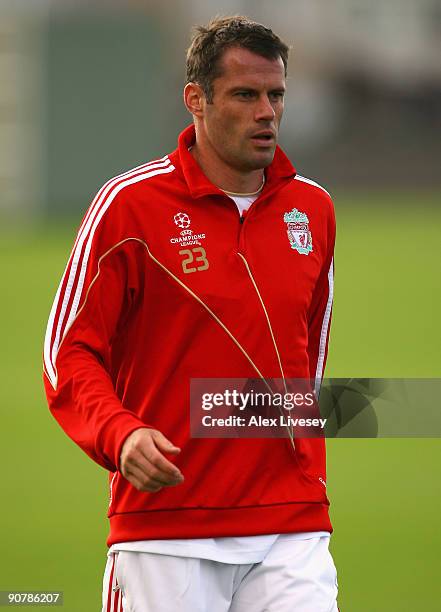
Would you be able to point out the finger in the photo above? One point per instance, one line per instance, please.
(148, 466)
(145, 449)
(151, 461)
(148, 474)
(164, 444)
(143, 482)
(157, 459)
(161, 467)
(140, 486)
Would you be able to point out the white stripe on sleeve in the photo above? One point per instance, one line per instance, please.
(324, 330)
(81, 251)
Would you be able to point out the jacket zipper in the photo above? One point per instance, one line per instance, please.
(289, 428)
(242, 218)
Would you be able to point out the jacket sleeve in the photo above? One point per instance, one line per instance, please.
(320, 311)
(94, 295)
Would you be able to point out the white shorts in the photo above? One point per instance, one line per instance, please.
(295, 576)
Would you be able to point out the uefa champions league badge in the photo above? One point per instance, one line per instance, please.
(298, 231)
(186, 237)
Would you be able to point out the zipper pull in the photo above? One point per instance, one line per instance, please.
(243, 215)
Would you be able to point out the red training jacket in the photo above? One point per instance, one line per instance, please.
(165, 283)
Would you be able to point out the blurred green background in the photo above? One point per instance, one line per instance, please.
(386, 497)
(88, 89)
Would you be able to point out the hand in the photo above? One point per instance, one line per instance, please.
(143, 464)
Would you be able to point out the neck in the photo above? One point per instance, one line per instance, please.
(224, 176)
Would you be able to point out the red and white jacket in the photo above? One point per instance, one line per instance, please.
(142, 309)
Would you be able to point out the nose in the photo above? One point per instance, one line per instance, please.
(264, 109)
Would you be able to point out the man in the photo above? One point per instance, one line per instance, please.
(214, 261)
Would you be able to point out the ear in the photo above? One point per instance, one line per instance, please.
(194, 99)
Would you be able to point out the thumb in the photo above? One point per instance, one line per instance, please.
(164, 444)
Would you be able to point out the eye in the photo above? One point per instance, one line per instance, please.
(277, 95)
(246, 95)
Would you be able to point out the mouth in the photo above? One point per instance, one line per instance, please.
(264, 138)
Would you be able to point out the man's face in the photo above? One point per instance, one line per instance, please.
(242, 123)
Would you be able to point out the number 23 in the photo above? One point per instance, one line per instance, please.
(190, 258)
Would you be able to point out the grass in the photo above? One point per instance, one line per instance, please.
(386, 498)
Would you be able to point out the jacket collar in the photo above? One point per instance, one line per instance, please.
(276, 173)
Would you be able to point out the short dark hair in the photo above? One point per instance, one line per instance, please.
(209, 42)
